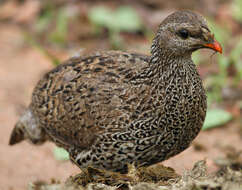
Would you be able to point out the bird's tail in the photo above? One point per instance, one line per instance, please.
(18, 134)
(27, 128)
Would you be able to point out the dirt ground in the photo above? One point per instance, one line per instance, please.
(20, 68)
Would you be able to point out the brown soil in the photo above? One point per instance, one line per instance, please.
(20, 68)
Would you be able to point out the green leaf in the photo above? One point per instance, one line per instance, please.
(44, 21)
(59, 35)
(45, 18)
(215, 118)
(101, 16)
(60, 154)
(122, 19)
(127, 19)
(236, 7)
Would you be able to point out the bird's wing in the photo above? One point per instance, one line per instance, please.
(86, 96)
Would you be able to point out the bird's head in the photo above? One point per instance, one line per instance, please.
(184, 32)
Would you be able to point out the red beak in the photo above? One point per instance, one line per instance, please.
(215, 46)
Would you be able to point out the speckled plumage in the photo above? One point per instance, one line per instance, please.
(111, 108)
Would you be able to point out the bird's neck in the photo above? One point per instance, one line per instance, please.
(164, 65)
(167, 63)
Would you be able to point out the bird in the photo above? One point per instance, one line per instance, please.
(109, 109)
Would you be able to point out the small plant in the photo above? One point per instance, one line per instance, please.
(221, 79)
(33, 42)
(53, 22)
(123, 19)
(59, 35)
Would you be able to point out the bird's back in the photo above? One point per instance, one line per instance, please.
(86, 95)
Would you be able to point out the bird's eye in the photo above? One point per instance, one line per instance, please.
(183, 33)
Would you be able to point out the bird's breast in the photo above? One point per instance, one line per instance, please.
(183, 103)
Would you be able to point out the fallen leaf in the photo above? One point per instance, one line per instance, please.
(215, 118)
(60, 154)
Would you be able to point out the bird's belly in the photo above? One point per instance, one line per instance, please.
(181, 123)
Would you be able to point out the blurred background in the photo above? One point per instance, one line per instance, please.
(35, 36)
